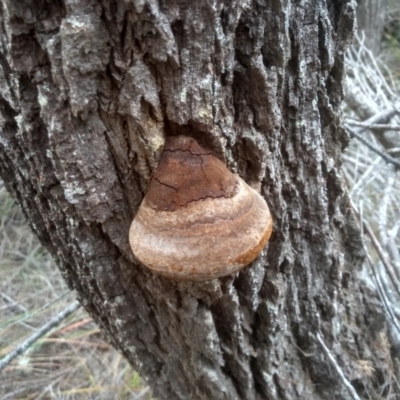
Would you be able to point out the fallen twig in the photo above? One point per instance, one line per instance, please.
(387, 264)
(339, 371)
(386, 157)
(31, 315)
(386, 127)
(386, 304)
(24, 346)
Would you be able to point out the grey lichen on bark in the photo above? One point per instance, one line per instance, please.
(89, 91)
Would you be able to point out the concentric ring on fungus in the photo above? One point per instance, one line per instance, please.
(198, 220)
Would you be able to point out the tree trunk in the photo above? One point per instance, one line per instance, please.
(371, 22)
(89, 91)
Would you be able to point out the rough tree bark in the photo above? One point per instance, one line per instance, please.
(89, 90)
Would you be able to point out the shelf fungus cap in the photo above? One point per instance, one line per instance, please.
(198, 220)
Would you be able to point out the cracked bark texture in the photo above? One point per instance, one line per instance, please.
(89, 89)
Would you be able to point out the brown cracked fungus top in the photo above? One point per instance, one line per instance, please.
(187, 173)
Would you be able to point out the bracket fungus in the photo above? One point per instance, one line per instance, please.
(198, 220)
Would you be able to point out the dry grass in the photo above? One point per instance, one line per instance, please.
(376, 193)
(72, 362)
(374, 188)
